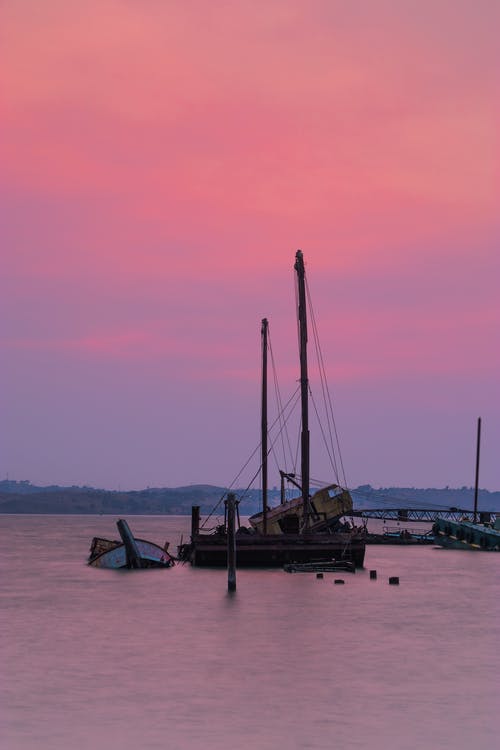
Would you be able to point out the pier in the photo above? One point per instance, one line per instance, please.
(419, 514)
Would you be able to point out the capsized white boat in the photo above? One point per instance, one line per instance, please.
(129, 553)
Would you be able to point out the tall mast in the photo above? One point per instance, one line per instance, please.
(476, 485)
(263, 426)
(304, 385)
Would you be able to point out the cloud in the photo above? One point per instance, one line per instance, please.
(161, 163)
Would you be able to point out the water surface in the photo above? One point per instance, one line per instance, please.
(167, 659)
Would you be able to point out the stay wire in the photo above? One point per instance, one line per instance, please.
(280, 405)
(323, 382)
(329, 448)
(245, 491)
(218, 504)
(284, 427)
(326, 393)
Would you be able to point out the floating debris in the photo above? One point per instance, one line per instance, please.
(326, 566)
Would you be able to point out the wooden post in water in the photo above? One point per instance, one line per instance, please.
(231, 542)
(195, 520)
(476, 484)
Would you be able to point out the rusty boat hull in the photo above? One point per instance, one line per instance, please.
(273, 550)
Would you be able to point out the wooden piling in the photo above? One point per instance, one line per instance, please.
(195, 520)
(231, 542)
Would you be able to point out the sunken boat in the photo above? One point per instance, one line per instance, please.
(129, 552)
(306, 529)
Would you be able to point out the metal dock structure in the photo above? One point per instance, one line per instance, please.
(420, 514)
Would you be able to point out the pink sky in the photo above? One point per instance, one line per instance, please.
(161, 163)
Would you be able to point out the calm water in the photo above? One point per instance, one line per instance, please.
(166, 659)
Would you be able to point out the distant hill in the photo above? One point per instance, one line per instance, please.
(23, 497)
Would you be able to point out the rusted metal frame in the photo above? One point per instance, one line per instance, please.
(414, 514)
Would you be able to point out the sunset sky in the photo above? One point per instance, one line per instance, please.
(162, 161)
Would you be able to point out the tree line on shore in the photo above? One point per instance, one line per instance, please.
(24, 497)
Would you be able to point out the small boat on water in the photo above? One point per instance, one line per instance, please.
(306, 529)
(129, 552)
(480, 533)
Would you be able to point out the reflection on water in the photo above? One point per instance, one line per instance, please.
(167, 659)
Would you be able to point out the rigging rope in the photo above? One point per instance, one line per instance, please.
(327, 399)
(280, 408)
(283, 427)
(257, 448)
(329, 448)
